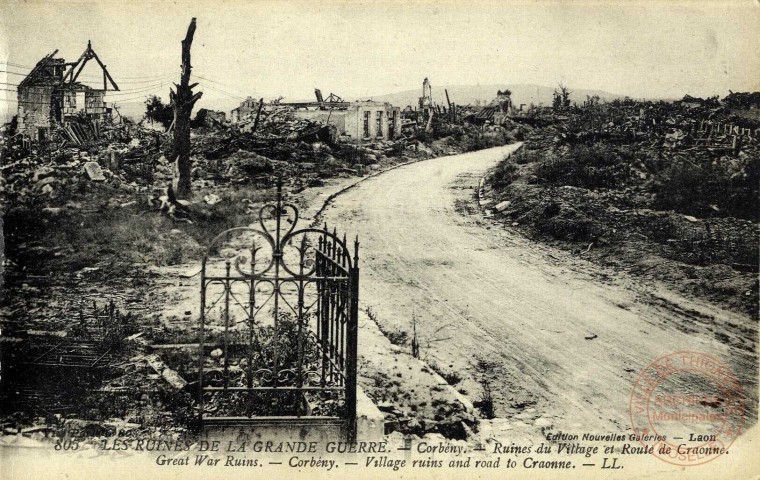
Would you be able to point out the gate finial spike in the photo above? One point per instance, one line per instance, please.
(344, 250)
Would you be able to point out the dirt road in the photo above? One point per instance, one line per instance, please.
(564, 339)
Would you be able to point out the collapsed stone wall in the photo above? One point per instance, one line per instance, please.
(34, 109)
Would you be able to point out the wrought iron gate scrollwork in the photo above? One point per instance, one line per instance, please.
(279, 320)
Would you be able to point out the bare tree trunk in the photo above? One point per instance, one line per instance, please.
(183, 101)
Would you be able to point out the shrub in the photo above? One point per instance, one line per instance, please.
(479, 141)
(570, 227)
(504, 174)
(485, 403)
(523, 156)
(396, 337)
(253, 166)
(595, 166)
(691, 189)
(452, 378)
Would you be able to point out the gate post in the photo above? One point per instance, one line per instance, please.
(201, 339)
(352, 342)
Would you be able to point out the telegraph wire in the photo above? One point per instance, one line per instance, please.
(138, 90)
(232, 87)
(228, 94)
(132, 91)
(213, 81)
(167, 77)
(142, 79)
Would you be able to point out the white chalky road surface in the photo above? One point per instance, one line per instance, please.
(480, 291)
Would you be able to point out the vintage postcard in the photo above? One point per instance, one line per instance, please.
(379, 239)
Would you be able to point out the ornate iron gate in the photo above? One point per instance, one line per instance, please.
(278, 326)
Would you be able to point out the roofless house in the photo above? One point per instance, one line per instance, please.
(51, 95)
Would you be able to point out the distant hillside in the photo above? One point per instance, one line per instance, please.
(468, 94)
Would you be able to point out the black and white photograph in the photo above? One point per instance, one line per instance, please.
(379, 239)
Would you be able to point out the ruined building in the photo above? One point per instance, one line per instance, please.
(503, 100)
(504, 107)
(367, 121)
(247, 108)
(360, 121)
(50, 95)
(426, 102)
(498, 111)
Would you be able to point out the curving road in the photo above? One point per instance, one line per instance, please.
(562, 341)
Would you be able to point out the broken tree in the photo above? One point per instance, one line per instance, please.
(183, 101)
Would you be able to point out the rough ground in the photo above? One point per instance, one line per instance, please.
(84, 241)
(560, 340)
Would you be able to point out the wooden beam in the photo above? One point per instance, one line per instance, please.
(41, 64)
(74, 77)
(70, 73)
(334, 105)
(105, 70)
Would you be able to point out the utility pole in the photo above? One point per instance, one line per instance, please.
(183, 101)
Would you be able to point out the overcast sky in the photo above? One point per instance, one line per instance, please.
(359, 50)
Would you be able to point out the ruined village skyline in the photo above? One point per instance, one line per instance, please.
(240, 51)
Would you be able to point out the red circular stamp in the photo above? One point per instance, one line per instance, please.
(687, 408)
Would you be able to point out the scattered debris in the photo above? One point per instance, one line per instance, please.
(177, 382)
(212, 199)
(94, 172)
(501, 206)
